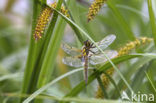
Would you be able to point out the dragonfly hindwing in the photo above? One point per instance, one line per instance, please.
(72, 61)
(104, 43)
(100, 58)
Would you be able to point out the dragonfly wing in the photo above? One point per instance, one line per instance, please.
(72, 61)
(104, 43)
(70, 50)
(100, 58)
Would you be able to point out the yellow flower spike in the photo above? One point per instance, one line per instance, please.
(44, 18)
(42, 22)
(94, 9)
(122, 51)
(64, 11)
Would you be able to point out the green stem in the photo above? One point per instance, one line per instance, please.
(113, 82)
(43, 80)
(49, 61)
(42, 51)
(150, 80)
(102, 86)
(78, 34)
(31, 53)
(152, 20)
(125, 27)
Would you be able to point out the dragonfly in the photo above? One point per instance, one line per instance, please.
(88, 54)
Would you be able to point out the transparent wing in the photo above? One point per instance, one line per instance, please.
(100, 58)
(104, 43)
(72, 61)
(70, 50)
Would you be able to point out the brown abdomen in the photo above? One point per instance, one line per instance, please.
(86, 69)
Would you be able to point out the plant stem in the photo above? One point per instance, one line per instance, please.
(78, 34)
(31, 53)
(102, 86)
(152, 20)
(126, 29)
(42, 51)
(41, 82)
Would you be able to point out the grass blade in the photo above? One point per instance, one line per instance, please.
(125, 7)
(152, 84)
(138, 78)
(32, 96)
(121, 20)
(131, 70)
(32, 51)
(49, 61)
(67, 99)
(102, 87)
(114, 84)
(10, 76)
(49, 54)
(152, 20)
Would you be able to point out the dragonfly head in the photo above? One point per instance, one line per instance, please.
(87, 43)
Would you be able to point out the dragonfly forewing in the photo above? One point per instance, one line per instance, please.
(100, 58)
(104, 43)
(72, 61)
(70, 50)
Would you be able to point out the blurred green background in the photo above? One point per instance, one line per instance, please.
(15, 29)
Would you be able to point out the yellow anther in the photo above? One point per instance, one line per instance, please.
(94, 8)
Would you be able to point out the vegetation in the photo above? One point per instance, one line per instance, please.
(31, 67)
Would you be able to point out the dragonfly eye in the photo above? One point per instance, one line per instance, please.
(87, 43)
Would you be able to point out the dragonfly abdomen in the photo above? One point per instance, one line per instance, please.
(86, 69)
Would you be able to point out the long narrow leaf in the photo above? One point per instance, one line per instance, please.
(67, 99)
(152, 20)
(121, 20)
(49, 84)
(32, 51)
(150, 81)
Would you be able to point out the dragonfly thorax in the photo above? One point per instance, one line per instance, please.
(86, 48)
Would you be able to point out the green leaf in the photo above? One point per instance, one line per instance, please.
(149, 79)
(51, 47)
(49, 61)
(125, 27)
(32, 51)
(10, 76)
(130, 71)
(102, 87)
(152, 20)
(138, 78)
(114, 84)
(67, 99)
(32, 96)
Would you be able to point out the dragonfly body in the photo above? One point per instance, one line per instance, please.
(89, 54)
(85, 57)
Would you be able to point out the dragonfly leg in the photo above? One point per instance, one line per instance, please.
(92, 45)
(92, 52)
(79, 56)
